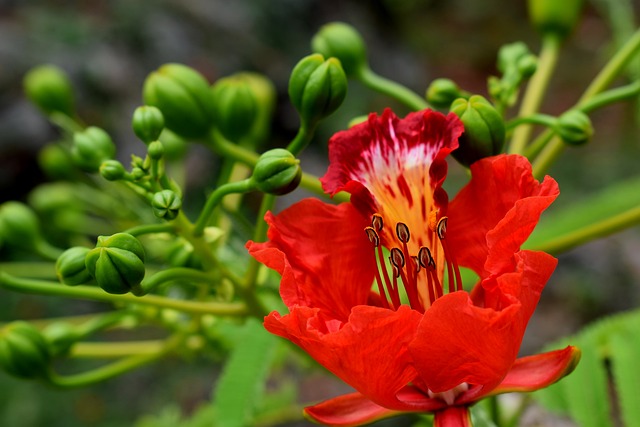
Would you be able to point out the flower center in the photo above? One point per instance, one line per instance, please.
(419, 274)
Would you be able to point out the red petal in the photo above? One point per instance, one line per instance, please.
(459, 342)
(498, 208)
(453, 416)
(386, 159)
(370, 352)
(323, 255)
(532, 373)
(348, 410)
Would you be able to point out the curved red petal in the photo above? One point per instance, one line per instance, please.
(453, 416)
(370, 352)
(532, 373)
(497, 209)
(458, 342)
(323, 255)
(349, 410)
(394, 166)
(476, 341)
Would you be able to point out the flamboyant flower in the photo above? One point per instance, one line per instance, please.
(374, 289)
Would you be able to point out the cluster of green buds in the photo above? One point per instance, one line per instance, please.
(517, 64)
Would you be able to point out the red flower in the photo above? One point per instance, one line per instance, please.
(444, 348)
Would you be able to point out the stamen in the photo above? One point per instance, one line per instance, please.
(373, 236)
(396, 258)
(376, 222)
(402, 231)
(455, 282)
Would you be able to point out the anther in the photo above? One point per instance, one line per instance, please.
(397, 258)
(373, 236)
(424, 257)
(441, 228)
(402, 231)
(376, 222)
(416, 263)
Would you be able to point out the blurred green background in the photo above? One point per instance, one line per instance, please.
(108, 48)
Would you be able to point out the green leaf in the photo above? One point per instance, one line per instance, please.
(586, 394)
(586, 389)
(241, 384)
(624, 357)
(557, 225)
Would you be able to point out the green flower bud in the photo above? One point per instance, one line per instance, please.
(277, 172)
(60, 336)
(56, 163)
(442, 92)
(137, 173)
(112, 170)
(484, 130)
(342, 41)
(117, 263)
(166, 204)
(155, 150)
(91, 147)
(71, 268)
(317, 87)
(184, 97)
(557, 18)
(235, 107)
(574, 127)
(19, 225)
(265, 93)
(147, 123)
(24, 352)
(48, 87)
(175, 147)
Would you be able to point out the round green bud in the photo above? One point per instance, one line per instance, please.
(277, 172)
(317, 87)
(166, 204)
(342, 41)
(155, 150)
(71, 268)
(24, 352)
(147, 123)
(574, 127)
(442, 92)
(19, 225)
(552, 17)
(484, 130)
(91, 147)
(117, 263)
(54, 196)
(137, 173)
(235, 107)
(48, 87)
(56, 163)
(60, 336)
(517, 57)
(184, 97)
(112, 170)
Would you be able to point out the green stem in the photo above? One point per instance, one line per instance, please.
(108, 350)
(66, 123)
(536, 119)
(303, 137)
(45, 250)
(610, 96)
(536, 90)
(216, 197)
(36, 270)
(390, 88)
(177, 273)
(610, 71)
(233, 151)
(85, 292)
(111, 370)
(593, 231)
(151, 229)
